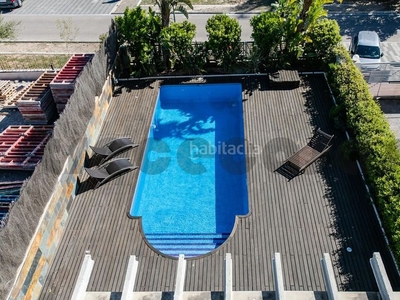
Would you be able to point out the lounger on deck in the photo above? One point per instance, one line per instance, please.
(316, 147)
(108, 170)
(113, 148)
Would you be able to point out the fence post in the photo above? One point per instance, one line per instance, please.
(228, 277)
(83, 278)
(382, 280)
(130, 277)
(278, 277)
(329, 276)
(180, 278)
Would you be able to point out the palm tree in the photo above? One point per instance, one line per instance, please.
(168, 6)
(313, 10)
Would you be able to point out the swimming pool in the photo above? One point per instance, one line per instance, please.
(192, 181)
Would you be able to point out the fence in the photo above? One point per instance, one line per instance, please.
(383, 78)
(37, 220)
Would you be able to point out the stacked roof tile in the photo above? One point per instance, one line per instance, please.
(63, 84)
(37, 104)
(22, 147)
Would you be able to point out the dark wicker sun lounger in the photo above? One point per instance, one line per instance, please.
(113, 148)
(109, 170)
(316, 147)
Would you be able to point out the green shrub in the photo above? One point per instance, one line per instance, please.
(337, 115)
(177, 39)
(325, 36)
(349, 150)
(267, 32)
(139, 31)
(374, 139)
(224, 35)
(8, 29)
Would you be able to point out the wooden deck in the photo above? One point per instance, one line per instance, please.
(323, 210)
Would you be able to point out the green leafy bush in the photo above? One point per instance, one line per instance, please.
(224, 40)
(177, 39)
(337, 115)
(267, 32)
(140, 31)
(374, 140)
(349, 150)
(325, 36)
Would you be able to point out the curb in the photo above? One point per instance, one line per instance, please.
(332, 9)
(231, 11)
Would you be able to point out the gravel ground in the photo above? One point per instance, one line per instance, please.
(22, 47)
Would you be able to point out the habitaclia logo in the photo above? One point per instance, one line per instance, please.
(221, 148)
(194, 156)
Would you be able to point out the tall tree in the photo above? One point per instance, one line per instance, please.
(170, 6)
(139, 31)
(307, 4)
(299, 17)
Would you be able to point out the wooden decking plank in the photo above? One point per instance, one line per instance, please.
(107, 237)
(101, 244)
(294, 218)
(100, 236)
(140, 284)
(167, 269)
(122, 262)
(119, 267)
(160, 270)
(73, 262)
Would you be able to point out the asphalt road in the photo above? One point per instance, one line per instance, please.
(42, 27)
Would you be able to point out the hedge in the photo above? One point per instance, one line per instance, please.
(375, 142)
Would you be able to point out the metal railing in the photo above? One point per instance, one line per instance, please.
(380, 72)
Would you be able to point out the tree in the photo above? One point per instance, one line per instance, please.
(324, 37)
(168, 6)
(67, 31)
(267, 33)
(298, 21)
(224, 35)
(177, 39)
(307, 4)
(139, 31)
(8, 30)
(289, 13)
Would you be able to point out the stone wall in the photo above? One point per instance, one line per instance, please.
(34, 269)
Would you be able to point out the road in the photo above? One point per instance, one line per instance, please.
(91, 26)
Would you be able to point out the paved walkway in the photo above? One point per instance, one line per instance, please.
(255, 8)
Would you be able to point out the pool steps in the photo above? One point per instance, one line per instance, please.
(190, 245)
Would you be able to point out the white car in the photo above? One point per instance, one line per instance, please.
(10, 3)
(365, 49)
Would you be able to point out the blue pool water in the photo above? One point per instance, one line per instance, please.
(192, 181)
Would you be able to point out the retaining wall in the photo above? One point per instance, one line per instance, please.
(34, 269)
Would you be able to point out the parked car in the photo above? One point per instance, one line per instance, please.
(365, 49)
(10, 3)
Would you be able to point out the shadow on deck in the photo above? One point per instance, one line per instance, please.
(324, 210)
